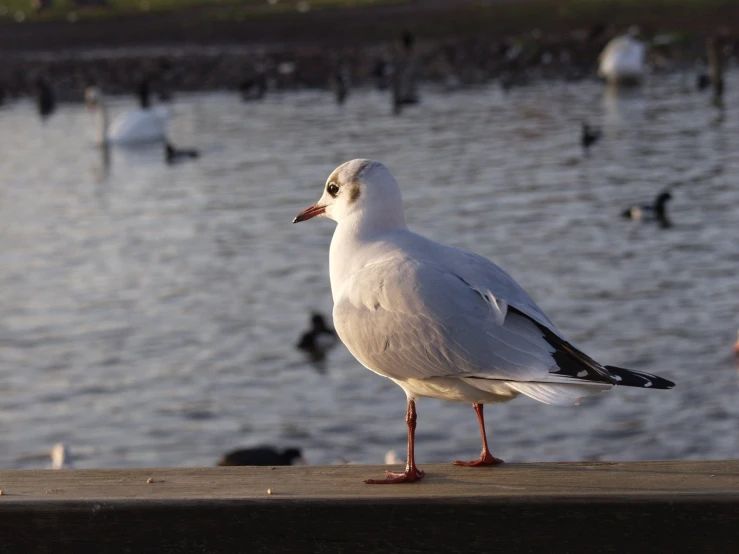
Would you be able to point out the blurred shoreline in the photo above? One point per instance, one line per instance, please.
(198, 49)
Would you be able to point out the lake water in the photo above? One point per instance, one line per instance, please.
(148, 314)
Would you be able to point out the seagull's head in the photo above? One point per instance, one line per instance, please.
(362, 189)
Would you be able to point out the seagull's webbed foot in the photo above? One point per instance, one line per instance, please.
(485, 459)
(392, 477)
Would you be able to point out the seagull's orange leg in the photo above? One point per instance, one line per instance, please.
(486, 458)
(411, 473)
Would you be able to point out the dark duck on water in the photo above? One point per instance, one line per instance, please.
(319, 339)
(590, 135)
(657, 211)
(173, 155)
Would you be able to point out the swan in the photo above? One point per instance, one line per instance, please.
(131, 127)
(622, 60)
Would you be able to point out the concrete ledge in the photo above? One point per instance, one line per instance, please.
(573, 507)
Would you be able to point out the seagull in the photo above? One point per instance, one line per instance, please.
(657, 211)
(439, 321)
(60, 457)
(391, 458)
(261, 456)
(254, 88)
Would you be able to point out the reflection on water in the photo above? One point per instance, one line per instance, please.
(150, 313)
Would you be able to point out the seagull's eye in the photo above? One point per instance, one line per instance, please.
(333, 189)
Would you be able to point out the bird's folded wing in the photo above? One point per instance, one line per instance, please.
(408, 319)
(484, 275)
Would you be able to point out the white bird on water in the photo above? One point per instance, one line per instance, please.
(61, 457)
(439, 321)
(622, 60)
(139, 126)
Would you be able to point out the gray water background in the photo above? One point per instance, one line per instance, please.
(148, 313)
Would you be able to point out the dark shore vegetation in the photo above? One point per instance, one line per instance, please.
(341, 21)
(218, 44)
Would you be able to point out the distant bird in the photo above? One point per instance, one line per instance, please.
(392, 458)
(400, 100)
(407, 39)
(45, 99)
(590, 135)
(339, 81)
(703, 81)
(60, 457)
(261, 456)
(163, 83)
(656, 212)
(253, 88)
(513, 78)
(382, 73)
(164, 95)
(622, 61)
(173, 155)
(319, 339)
(506, 82)
(130, 127)
(144, 93)
(404, 89)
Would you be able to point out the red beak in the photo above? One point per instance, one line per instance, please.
(309, 213)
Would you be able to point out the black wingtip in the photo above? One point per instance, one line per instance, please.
(633, 378)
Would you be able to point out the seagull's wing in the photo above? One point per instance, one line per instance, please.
(411, 319)
(486, 277)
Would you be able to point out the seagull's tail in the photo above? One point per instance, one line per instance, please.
(559, 394)
(632, 378)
